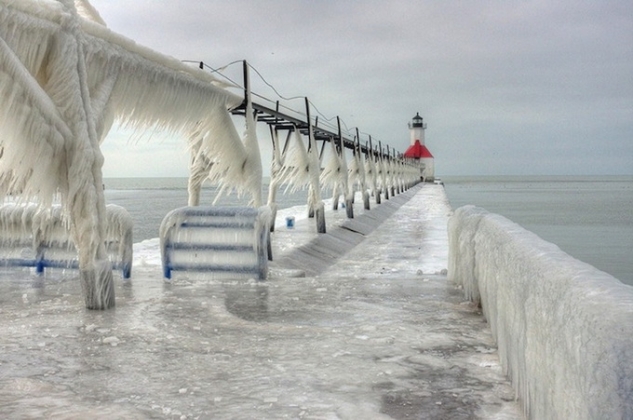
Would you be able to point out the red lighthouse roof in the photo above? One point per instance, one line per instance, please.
(417, 151)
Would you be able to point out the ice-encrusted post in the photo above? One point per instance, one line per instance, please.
(68, 80)
(361, 172)
(374, 172)
(390, 172)
(275, 170)
(398, 173)
(388, 175)
(250, 142)
(383, 171)
(403, 182)
(315, 201)
(331, 175)
(199, 167)
(347, 195)
(336, 193)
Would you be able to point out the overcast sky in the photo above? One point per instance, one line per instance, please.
(508, 87)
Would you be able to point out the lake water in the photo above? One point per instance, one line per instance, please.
(148, 200)
(590, 218)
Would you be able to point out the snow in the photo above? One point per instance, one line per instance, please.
(564, 329)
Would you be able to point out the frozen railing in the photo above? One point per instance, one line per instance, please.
(32, 236)
(564, 328)
(226, 242)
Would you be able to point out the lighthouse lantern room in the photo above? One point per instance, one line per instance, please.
(417, 153)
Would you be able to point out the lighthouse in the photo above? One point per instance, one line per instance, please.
(417, 152)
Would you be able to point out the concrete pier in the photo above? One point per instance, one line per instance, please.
(373, 330)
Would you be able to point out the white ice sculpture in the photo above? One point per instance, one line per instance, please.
(371, 176)
(234, 166)
(224, 242)
(381, 176)
(397, 176)
(278, 159)
(295, 172)
(32, 236)
(564, 328)
(302, 169)
(356, 173)
(391, 175)
(333, 176)
(63, 80)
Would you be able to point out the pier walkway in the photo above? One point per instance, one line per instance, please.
(373, 332)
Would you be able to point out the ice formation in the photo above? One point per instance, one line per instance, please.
(334, 175)
(233, 165)
(381, 176)
(88, 12)
(301, 169)
(33, 236)
(220, 241)
(356, 173)
(370, 171)
(564, 328)
(63, 79)
(277, 165)
(315, 204)
(295, 171)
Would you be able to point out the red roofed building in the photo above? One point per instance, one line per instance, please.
(418, 152)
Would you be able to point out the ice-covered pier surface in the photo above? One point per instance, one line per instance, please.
(379, 334)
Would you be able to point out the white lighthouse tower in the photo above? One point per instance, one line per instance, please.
(417, 152)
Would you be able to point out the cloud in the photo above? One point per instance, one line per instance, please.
(493, 80)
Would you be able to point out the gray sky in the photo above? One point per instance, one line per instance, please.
(506, 87)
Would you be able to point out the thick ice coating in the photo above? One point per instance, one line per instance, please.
(564, 328)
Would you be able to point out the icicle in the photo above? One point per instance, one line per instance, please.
(333, 175)
(236, 165)
(254, 165)
(295, 172)
(87, 11)
(357, 176)
(314, 193)
(276, 168)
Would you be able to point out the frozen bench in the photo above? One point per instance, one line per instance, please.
(226, 242)
(31, 236)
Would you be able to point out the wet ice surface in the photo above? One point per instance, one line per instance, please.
(378, 335)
